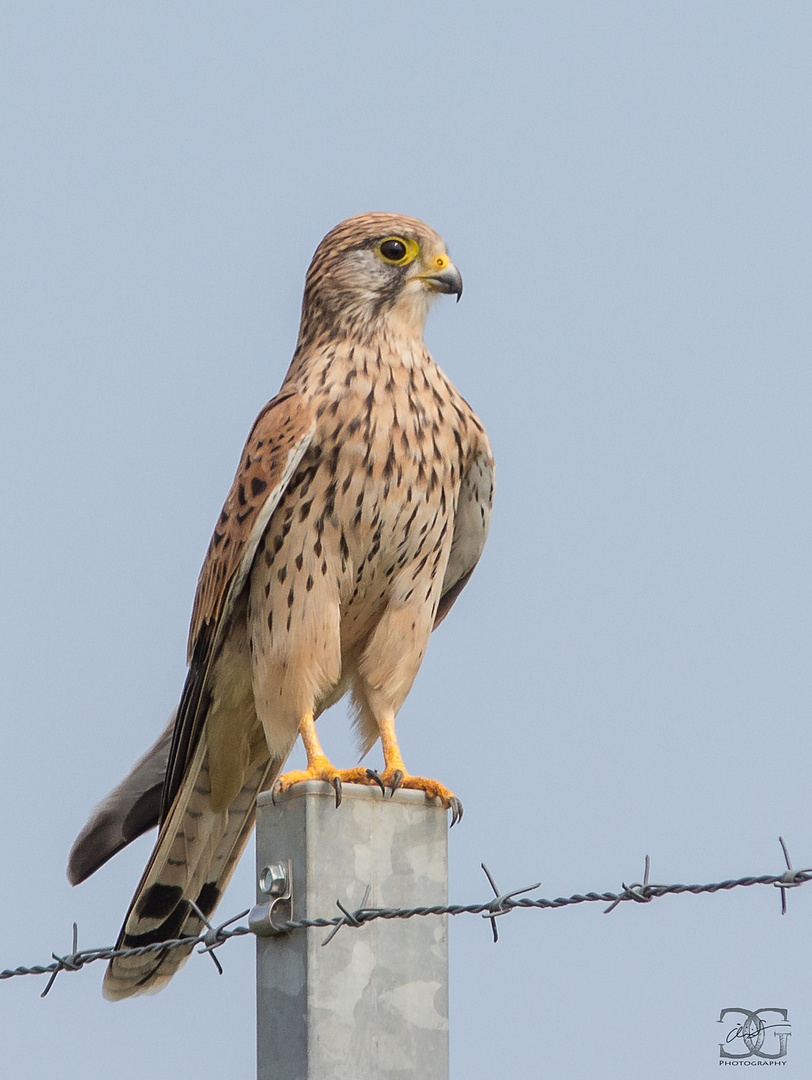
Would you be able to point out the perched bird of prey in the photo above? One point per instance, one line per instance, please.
(360, 507)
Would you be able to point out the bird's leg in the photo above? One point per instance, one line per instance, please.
(395, 776)
(393, 766)
(319, 766)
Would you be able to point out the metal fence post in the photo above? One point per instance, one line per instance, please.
(373, 1003)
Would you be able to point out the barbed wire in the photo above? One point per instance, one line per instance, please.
(501, 904)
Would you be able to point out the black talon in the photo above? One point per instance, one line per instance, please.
(374, 776)
(274, 792)
(456, 812)
(336, 782)
(397, 779)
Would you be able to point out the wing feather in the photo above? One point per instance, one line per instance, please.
(471, 524)
(129, 810)
(275, 447)
(199, 842)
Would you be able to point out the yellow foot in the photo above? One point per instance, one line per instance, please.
(392, 779)
(323, 770)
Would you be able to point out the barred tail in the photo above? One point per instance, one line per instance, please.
(194, 858)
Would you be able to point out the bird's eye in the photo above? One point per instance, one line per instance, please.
(393, 249)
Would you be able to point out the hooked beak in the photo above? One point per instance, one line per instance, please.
(445, 280)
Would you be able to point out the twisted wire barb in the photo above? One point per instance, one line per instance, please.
(502, 903)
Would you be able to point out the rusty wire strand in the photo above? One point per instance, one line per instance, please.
(501, 904)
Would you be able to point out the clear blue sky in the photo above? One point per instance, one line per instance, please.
(626, 189)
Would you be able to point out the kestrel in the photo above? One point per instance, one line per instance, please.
(359, 510)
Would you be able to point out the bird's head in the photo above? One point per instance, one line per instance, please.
(374, 273)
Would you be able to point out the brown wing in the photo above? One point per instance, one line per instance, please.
(276, 445)
(471, 523)
(278, 439)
